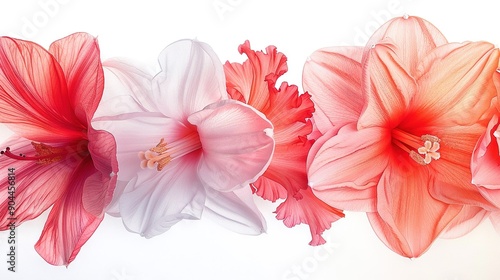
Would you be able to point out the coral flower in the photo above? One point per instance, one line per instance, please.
(185, 149)
(48, 99)
(253, 82)
(400, 119)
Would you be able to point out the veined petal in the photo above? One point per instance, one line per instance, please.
(33, 94)
(38, 186)
(345, 169)
(153, 201)
(192, 77)
(269, 189)
(485, 163)
(69, 225)
(415, 37)
(308, 209)
(249, 82)
(467, 220)
(458, 77)
(235, 211)
(410, 218)
(388, 86)
(333, 78)
(79, 57)
(237, 144)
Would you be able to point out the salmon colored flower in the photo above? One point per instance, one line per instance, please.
(400, 119)
(188, 151)
(253, 82)
(48, 99)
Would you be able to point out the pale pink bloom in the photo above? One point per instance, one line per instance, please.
(254, 82)
(400, 119)
(185, 150)
(48, 98)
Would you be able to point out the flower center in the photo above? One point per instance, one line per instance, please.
(164, 152)
(421, 149)
(46, 154)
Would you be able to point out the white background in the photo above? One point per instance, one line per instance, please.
(202, 249)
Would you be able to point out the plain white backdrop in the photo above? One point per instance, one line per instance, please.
(202, 249)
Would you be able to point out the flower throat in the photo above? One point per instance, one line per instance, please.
(422, 154)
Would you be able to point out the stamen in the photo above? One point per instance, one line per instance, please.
(46, 154)
(413, 145)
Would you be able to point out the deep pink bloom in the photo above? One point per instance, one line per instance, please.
(48, 99)
(400, 119)
(254, 82)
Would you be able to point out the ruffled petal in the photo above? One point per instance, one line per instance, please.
(235, 211)
(79, 57)
(333, 78)
(467, 220)
(308, 209)
(192, 77)
(154, 201)
(345, 168)
(38, 186)
(248, 82)
(33, 94)
(415, 37)
(410, 218)
(69, 225)
(237, 144)
(465, 89)
(388, 87)
(269, 189)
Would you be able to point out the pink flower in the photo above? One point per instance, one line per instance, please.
(400, 119)
(48, 99)
(185, 149)
(253, 82)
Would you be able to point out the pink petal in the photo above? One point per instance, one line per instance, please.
(69, 226)
(79, 57)
(269, 189)
(389, 87)
(308, 209)
(495, 220)
(414, 36)
(235, 211)
(33, 94)
(485, 164)
(154, 201)
(237, 144)
(192, 77)
(410, 219)
(467, 220)
(345, 168)
(333, 78)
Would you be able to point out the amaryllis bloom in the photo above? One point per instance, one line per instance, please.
(253, 82)
(48, 99)
(185, 149)
(400, 119)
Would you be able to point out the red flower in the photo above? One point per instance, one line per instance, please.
(48, 99)
(253, 82)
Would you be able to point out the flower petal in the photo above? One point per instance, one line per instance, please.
(235, 211)
(79, 57)
(237, 144)
(485, 164)
(388, 87)
(69, 225)
(415, 37)
(410, 218)
(192, 77)
(33, 94)
(308, 209)
(345, 168)
(154, 201)
(333, 78)
(269, 189)
(467, 220)
(495, 220)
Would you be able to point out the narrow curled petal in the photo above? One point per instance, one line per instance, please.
(332, 76)
(153, 202)
(408, 218)
(79, 57)
(235, 210)
(308, 209)
(237, 144)
(192, 77)
(345, 168)
(61, 240)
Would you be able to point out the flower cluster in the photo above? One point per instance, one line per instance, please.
(405, 129)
